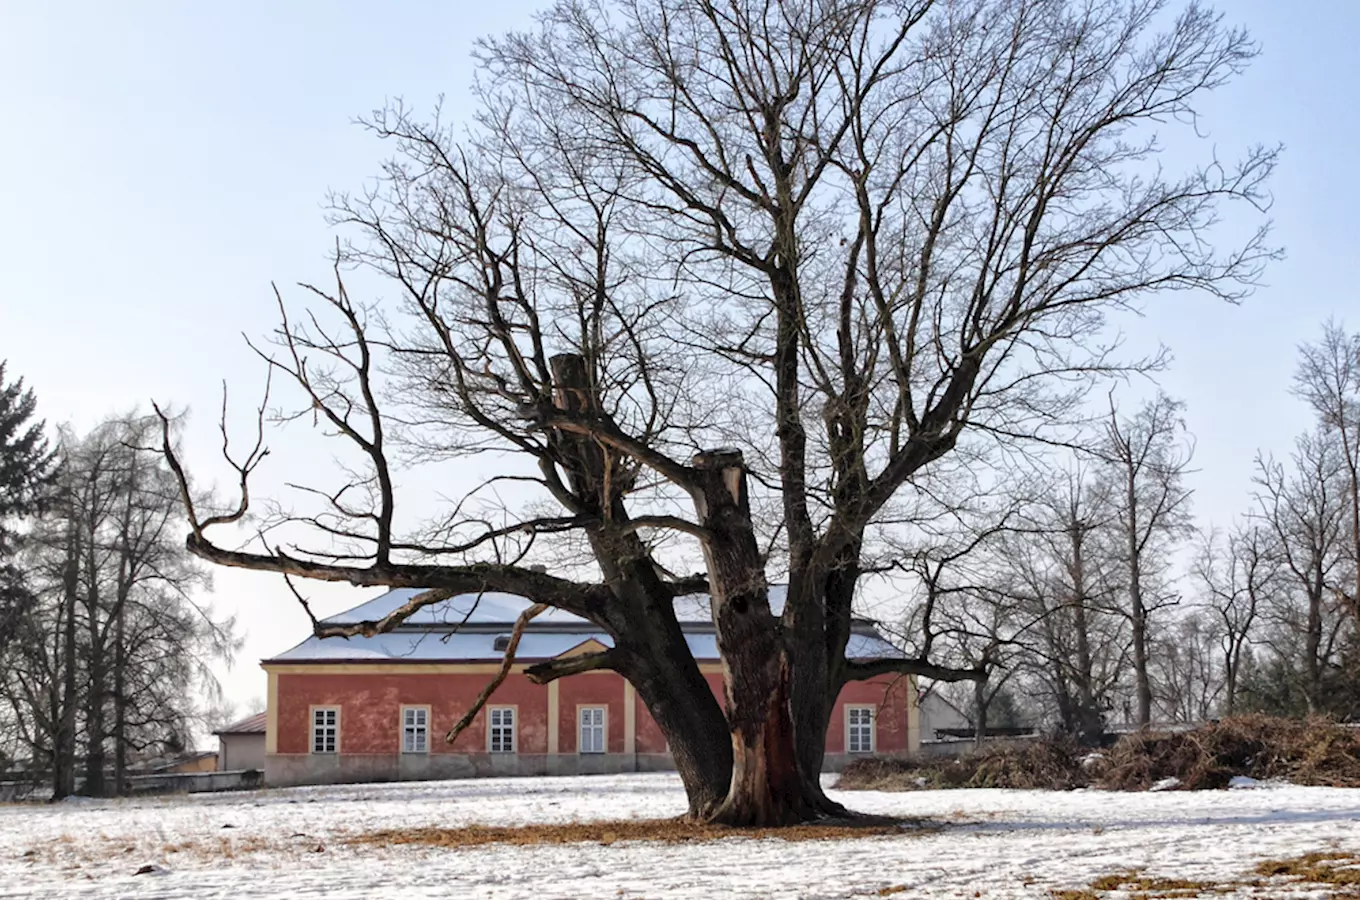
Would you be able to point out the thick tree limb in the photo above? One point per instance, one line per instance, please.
(610, 435)
(586, 600)
(862, 670)
(553, 669)
(674, 523)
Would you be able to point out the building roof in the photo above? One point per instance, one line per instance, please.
(249, 725)
(464, 628)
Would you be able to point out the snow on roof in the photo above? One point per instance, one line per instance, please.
(433, 634)
(486, 608)
(480, 646)
(249, 725)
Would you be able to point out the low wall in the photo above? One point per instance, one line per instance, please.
(284, 769)
(196, 782)
(170, 783)
(949, 747)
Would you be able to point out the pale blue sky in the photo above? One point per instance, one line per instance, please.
(162, 162)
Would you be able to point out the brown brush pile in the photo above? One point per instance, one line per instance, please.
(1312, 751)
(1050, 765)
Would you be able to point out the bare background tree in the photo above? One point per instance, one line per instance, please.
(1328, 379)
(1267, 622)
(1146, 460)
(1238, 576)
(113, 658)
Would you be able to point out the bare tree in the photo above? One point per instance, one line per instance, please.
(1146, 458)
(1304, 508)
(1187, 674)
(115, 646)
(1077, 644)
(966, 613)
(1238, 577)
(700, 258)
(1328, 378)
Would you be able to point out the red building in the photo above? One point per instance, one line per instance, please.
(377, 708)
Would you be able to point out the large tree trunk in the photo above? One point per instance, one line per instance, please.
(1090, 726)
(96, 731)
(769, 784)
(120, 739)
(1138, 611)
(1142, 683)
(655, 656)
(64, 747)
(980, 714)
(1313, 642)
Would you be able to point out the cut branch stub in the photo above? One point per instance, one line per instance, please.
(572, 390)
(586, 462)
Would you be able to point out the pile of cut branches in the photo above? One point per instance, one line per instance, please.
(1314, 751)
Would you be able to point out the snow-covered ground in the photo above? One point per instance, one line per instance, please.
(292, 843)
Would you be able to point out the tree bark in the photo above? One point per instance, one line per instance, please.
(120, 737)
(654, 655)
(1138, 610)
(1313, 639)
(96, 684)
(769, 785)
(980, 712)
(1090, 727)
(64, 747)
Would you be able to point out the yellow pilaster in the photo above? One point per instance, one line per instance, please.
(913, 717)
(629, 718)
(271, 718)
(554, 713)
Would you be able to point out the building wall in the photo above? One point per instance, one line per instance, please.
(204, 763)
(370, 700)
(240, 751)
(937, 713)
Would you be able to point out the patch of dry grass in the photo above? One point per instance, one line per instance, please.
(666, 831)
(1141, 885)
(1334, 872)
(1331, 868)
(102, 850)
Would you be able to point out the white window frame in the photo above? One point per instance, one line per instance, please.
(494, 712)
(851, 728)
(581, 729)
(315, 728)
(420, 730)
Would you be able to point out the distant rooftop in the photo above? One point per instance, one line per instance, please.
(249, 725)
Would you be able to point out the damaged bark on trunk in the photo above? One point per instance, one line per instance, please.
(769, 785)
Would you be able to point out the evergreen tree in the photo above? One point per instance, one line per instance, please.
(26, 468)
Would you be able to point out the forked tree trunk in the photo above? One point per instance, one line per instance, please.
(655, 656)
(761, 764)
(769, 785)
